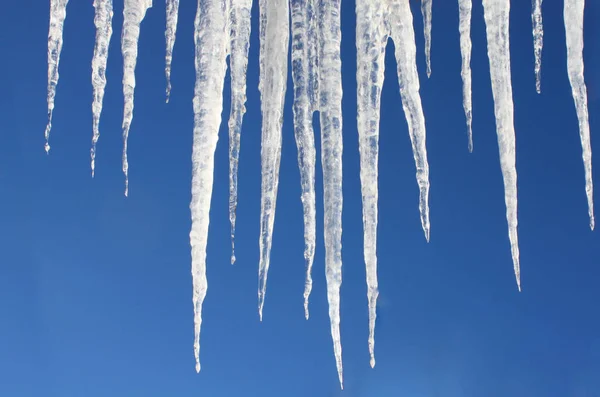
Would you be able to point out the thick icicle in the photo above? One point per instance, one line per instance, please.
(103, 22)
(305, 74)
(211, 40)
(239, 29)
(134, 12)
(538, 41)
(330, 108)
(274, 42)
(172, 11)
(573, 15)
(426, 11)
(496, 14)
(58, 13)
(371, 38)
(464, 27)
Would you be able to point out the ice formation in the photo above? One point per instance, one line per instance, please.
(375, 23)
(573, 15)
(172, 11)
(134, 12)
(464, 27)
(538, 41)
(103, 22)
(426, 6)
(58, 13)
(496, 13)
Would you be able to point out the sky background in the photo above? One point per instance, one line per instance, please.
(96, 288)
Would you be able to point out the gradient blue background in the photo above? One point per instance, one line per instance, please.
(95, 288)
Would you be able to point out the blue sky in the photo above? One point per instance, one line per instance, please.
(96, 287)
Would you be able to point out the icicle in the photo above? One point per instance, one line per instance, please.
(538, 41)
(426, 11)
(58, 13)
(172, 10)
(274, 41)
(330, 108)
(464, 7)
(211, 40)
(239, 19)
(305, 74)
(103, 22)
(134, 12)
(496, 14)
(573, 15)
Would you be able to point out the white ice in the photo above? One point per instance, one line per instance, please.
(274, 42)
(373, 19)
(133, 14)
(496, 13)
(426, 6)
(464, 27)
(305, 46)
(538, 41)
(573, 15)
(58, 13)
(103, 21)
(172, 11)
(239, 30)
(211, 41)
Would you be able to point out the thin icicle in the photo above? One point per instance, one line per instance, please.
(172, 11)
(464, 27)
(496, 14)
(134, 12)
(239, 30)
(330, 108)
(103, 22)
(538, 41)
(58, 13)
(426, 11)
(371, 38)
(573, 15)
(211, 40)
(304, 74)
(274, 42)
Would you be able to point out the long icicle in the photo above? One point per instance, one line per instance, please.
(239, 20)
(103, 21)
(426, 6)
(172, 11)
(330, 108)
(538, 41)
(274, 42)
(134, 12)
(58, 13)
(304, 74)
(573, 15)
(464, 27)
(497, 14)
(211, 40)
(371, 38)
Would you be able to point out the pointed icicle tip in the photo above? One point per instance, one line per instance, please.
(306, 314)
(197, 367)
(372, 362)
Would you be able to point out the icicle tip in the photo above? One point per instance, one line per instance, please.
(197, 367)
(372, 362)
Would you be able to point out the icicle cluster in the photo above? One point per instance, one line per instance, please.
(222, 29)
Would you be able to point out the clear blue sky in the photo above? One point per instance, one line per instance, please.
(96, 288)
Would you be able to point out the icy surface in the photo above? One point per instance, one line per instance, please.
(426, 11)
(133, 14)
(538, 41)
(274, 42)
(103, 22)
(464, 27)
(239, 31)
(172, 11)
(573, 14)
(58, 13)
(376, 21)
(211, 42)
(305, 75)
(496, 13)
